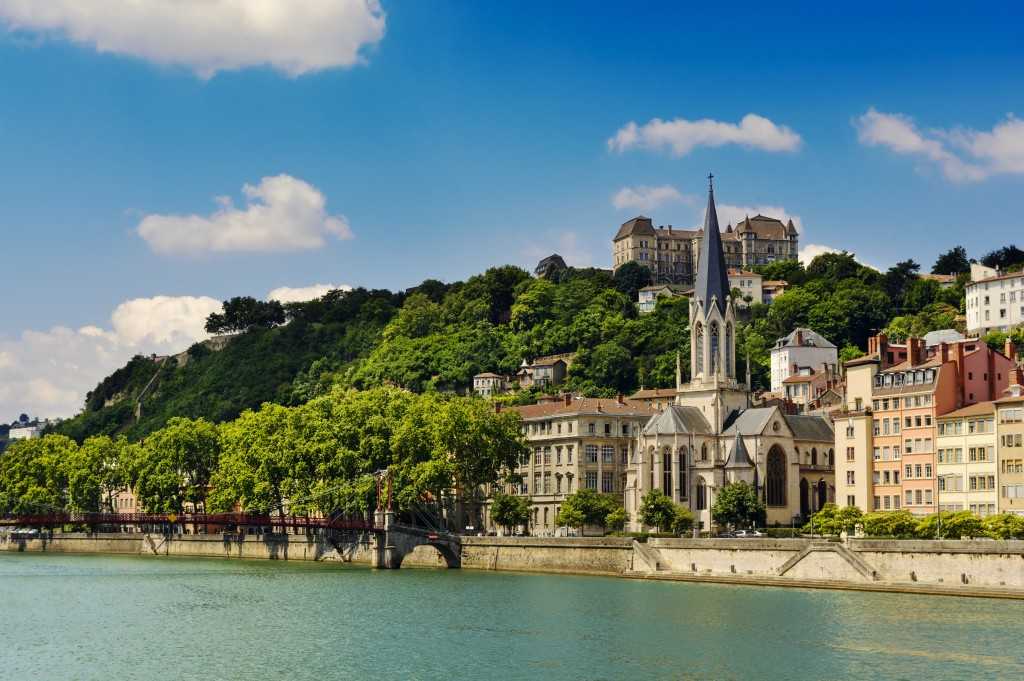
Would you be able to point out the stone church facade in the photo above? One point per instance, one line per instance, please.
(711, 436)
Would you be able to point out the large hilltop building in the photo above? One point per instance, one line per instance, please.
(711, 436)
(672, 254)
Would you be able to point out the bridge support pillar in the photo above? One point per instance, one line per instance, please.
(386, 556)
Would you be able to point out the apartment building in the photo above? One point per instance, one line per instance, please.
(749, 285)
(802, 347)
(993, 299)
(575, 443)
(904, 390)
(966, 460)
(1010, 444)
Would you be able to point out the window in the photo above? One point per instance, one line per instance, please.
(607, 454)
(927, 470)
(591, 428)
(877, 504)
(910, 497)
(849, 453)
(702, 495)
(607, 484)
(775, 478)
(591, 452)
(851, 500)
(607, 429)
(850, 479)
(917, 496)
(568, 454)
(590, 479)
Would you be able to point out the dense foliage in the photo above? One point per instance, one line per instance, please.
(437, 336)
(319, 457)
(658, 510)
(832, 520)
(736, 504)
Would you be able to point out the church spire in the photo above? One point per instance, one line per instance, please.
(712, 276)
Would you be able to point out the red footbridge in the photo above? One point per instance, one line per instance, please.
(221, 520)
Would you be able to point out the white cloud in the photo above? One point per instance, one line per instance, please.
(288, 294)
(282, 213)
(982, 154)
(732, 215)
(681, 136)
(207, 36)
(47, 373)
(811, 251)
(646, 198)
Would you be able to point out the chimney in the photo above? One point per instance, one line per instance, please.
(799, 337)
(943, 352)
(621, 399)
(1010, 350)
(568, 399)
(914, 351)
(961, 374)
(872, 345)
(882, 344)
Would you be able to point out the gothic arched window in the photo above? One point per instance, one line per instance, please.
(666, 471)
(698, 344)
(713, 364)
(814, 456)
(730, 354)
(702, 494)
(775, 478)
(704, 452)
(683, 490)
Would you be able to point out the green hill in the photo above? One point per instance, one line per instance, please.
(437, 336)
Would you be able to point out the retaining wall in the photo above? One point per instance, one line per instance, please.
(582, 555)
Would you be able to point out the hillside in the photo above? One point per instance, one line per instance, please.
(437, 336)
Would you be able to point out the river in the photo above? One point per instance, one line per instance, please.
(122, 618)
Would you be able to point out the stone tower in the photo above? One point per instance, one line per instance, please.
(712, 387)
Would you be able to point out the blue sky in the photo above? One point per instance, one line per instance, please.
(457, 136)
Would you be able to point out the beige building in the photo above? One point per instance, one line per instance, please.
(671, 254)
(545, 372)
(749, 285)
(711, 436)
(489, 384)
(657, 398)
(575, 443)
(1010, 443)
(966, 460)
(647, 297)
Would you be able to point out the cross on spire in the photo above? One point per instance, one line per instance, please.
(711, 182)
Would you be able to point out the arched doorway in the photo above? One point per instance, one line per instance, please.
(822, 493)
(805, 498)
(775, 477)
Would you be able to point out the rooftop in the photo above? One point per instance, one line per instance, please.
(979, 409)
(584, 405)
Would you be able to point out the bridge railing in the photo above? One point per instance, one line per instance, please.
(57, 519)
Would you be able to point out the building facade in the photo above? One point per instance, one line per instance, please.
(903, 391)
(489, 384)
(575, 443)
(993, 300)
(966, 463)
(672, 254)
(1010, 443)
(801, 348)
(749, 285)
(711, 436)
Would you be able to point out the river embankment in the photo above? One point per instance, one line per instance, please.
(965, 568)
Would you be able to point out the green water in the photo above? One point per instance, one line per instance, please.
(119, 618)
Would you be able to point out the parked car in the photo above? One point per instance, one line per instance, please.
(745, 534)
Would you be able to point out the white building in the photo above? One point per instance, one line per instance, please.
(647, 297)
(26, 431)
(488, 384)
(994, 300)
(801, 348)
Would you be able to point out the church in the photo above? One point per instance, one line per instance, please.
(712, 435)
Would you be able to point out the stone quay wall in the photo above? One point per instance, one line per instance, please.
(967, 568)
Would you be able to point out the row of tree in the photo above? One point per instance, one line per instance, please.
(319, 457)
(833, 520)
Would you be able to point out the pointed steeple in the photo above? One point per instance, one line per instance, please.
(712, 276)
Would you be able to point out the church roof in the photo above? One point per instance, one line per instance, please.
(751, 421)
(712, 275)
(739, 458)
(678, 419)
(810, 427)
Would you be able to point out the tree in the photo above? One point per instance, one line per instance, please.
(631, 277)
(33, 475)
(850, 352)
(1007, 257)
(174, 466)
(242, 313)
(586, 507)
(657, 510)
(919, 294)
(949, 525)
(833, 267)
(683, 520)
(953, 261)
(899, 277)
(834, 520)
(737, 504)
(616, 520)
(898, 524)
(510, 510)
(1004, 526)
